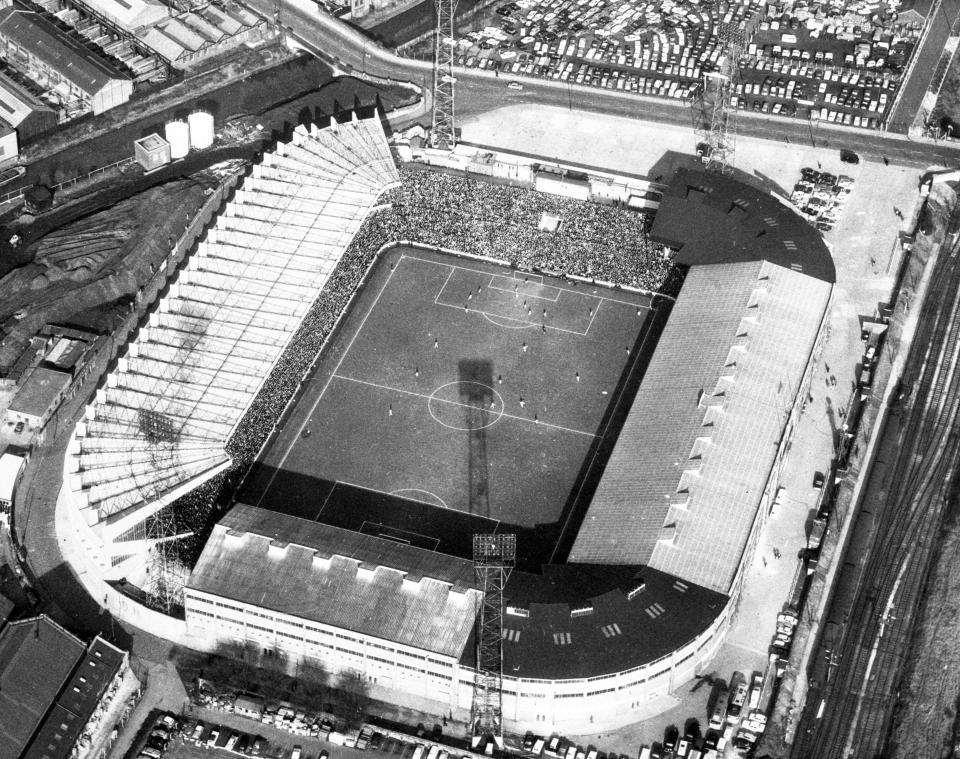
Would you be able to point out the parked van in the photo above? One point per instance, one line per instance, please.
(738, 700)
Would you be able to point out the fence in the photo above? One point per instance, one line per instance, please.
(15, 195)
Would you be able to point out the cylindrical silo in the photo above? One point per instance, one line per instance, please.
(178, 135)
(201, 129)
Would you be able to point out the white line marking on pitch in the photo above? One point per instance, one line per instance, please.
(306, 419)
(572, 289)
(457, 403)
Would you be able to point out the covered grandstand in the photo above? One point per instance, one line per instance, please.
(599, 638)
(647, 591)
(160, 422)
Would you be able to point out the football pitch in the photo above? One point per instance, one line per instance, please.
(458, 396)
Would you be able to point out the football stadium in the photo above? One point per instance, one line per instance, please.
(368, 363)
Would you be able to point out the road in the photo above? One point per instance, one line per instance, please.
(856, 674)
(482, 91)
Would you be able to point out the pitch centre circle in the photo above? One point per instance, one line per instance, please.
(465, 405)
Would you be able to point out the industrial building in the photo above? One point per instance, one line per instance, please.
(39, 396)
(59, 63)
(645, 595)
(55, 690)
(24, 111)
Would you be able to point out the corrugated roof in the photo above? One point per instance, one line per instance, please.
(340, 578)
(36, 658)
(683, 483)
(156, 40)
(130, 14)
(61, 52)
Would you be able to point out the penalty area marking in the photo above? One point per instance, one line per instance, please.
(440, 502)
(380, 530)
(517, 323)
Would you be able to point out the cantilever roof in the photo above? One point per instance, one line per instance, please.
(684, 481)
(736, 223)
(357, 582)
(62, 53)
(592, 620)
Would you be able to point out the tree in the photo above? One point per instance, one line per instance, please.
(352, 698)
(311, 679)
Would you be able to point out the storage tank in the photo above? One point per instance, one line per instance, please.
(178, 135)
(201, 130)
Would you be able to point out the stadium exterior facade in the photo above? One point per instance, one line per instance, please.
(656, 569)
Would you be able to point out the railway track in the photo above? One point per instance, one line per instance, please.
(849, 715)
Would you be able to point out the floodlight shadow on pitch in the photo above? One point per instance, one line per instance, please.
(475, 374)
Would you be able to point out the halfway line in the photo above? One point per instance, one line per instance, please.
(428, 398)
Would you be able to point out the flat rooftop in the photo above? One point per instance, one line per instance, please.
(39, 390)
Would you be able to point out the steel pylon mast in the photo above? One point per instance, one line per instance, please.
(715, 117)
(165, 573)
(493, 559)
(443, 135)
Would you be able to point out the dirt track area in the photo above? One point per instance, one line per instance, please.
(95, 260)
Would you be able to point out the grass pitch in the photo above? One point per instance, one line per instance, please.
(459, 396)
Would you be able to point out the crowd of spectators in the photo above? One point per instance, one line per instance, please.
(601, 242)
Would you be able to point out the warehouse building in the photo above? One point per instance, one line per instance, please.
(60, 63)
(55, 690)
(24, 111)
(39, 396)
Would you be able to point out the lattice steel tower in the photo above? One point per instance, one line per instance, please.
(715, 117)
(165, 574)
(442, 135)
(493, 560)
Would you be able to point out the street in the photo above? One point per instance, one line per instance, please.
(480, 91)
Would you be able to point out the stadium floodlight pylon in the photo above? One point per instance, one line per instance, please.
(443, 133)
(714, 115)
(165, 573)
(494, 556)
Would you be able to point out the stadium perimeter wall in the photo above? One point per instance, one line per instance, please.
(396, 672)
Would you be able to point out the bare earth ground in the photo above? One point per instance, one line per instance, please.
(863, 246)
(95, 260)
